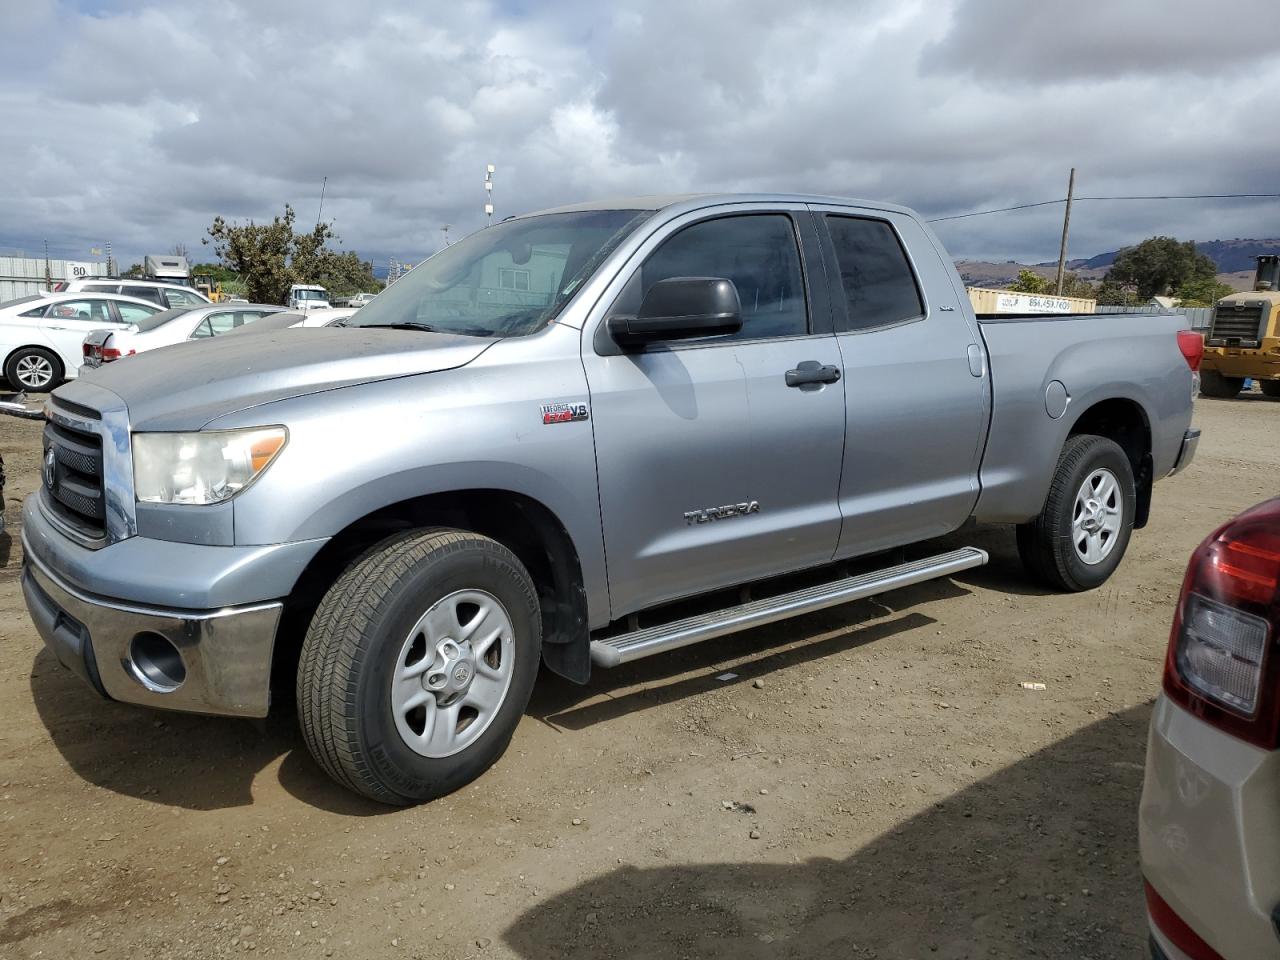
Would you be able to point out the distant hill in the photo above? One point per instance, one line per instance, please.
(1234, 259)
(1231, 256)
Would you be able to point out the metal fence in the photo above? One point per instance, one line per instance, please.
(1199, 318)
(23, 276)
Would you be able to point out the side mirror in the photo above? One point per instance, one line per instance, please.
(680, 308)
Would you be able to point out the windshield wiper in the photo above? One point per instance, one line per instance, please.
(429, 328)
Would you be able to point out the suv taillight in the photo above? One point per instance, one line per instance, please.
(1222, 664)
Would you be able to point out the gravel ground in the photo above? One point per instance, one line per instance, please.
(873, 783)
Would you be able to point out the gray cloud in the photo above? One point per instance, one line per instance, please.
(139, 122)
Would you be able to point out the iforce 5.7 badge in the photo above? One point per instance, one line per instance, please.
(564, 412)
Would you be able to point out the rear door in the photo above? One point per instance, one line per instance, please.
(918, 405)
(712, 470)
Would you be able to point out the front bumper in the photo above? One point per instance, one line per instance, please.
(216, 661)
(112, 614)
(1209, 833)
(1187, 452)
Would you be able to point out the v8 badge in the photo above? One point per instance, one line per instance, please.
(564, 412)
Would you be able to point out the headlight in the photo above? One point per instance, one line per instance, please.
(206, 467)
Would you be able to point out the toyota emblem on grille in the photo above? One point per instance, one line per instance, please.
(50, 469)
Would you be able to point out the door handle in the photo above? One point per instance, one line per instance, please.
(811, 372)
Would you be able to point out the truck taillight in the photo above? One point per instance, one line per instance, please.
(1191, 345)
(1222, 664)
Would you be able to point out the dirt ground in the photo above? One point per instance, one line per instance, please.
(873, 783)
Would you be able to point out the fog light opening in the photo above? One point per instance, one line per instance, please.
(156, 663)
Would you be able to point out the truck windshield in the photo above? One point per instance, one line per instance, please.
(309, 294)
(507, 280)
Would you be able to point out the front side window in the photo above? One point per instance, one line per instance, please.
(879, 287)
(180, 298)
(508, 280)
(758, 252)
(86, 311)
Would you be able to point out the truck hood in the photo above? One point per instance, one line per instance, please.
(184, 386)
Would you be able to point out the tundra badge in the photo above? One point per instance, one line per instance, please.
(722, 513)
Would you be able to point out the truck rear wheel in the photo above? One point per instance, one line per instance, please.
(1214, 384)
(418, 665)
(1270, 388)
(1080, 536)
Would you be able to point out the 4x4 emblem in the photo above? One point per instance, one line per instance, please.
(50, 469)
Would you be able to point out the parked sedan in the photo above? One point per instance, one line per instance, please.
(1209, 824)
(293, 318)
(168, 327)
(41, 336)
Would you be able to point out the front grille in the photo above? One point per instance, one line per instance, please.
(1240, 324)
(72, 479)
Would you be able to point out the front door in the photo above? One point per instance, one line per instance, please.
(712, 470)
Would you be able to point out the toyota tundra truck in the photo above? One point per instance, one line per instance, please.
(528, 449)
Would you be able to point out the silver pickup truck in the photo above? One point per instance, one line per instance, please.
(524, 451)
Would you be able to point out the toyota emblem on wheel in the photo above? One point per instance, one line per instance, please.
(50, 469)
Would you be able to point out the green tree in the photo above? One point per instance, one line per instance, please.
(1113, 293)
(268, 258)
(133, 271)
(1029, 281)
(1160, 265)
(1204, 292)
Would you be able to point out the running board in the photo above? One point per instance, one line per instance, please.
(615, 651)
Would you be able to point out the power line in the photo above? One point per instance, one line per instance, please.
(1047, 203)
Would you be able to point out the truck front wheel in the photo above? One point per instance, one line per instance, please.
(1080, 536)
(418, 665)
(1213, 384)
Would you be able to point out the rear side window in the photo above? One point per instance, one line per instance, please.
(144, 293)
(758, 252)
(102, 287)
(879, 287)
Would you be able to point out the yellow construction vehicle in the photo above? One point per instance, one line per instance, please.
(1244, 340)
(210, 287)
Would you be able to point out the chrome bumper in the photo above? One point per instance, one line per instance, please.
(215, 661)
(1187, 453)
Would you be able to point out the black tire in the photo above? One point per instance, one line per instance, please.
(1213, 384)
(353, 645)
(1046, 544)
(1270, 388)
(23, 361)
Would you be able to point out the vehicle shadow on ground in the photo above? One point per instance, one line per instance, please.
(178, 759)
(1000, 869)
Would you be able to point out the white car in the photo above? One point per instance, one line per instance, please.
(358, 300)
(41, 336)
(164, 295)
(1209, 821)
(171, 326)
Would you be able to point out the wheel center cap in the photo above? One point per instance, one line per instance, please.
(452, 672)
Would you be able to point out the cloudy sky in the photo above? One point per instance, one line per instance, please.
(138, 122)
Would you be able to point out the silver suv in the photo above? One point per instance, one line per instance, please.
(164, 295)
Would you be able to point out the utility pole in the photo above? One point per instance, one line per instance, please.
(488, 195)
(1066, 223)
(321, 210)
(445, 231)
(48, 270)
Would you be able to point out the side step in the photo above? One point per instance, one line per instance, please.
(615, 651)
